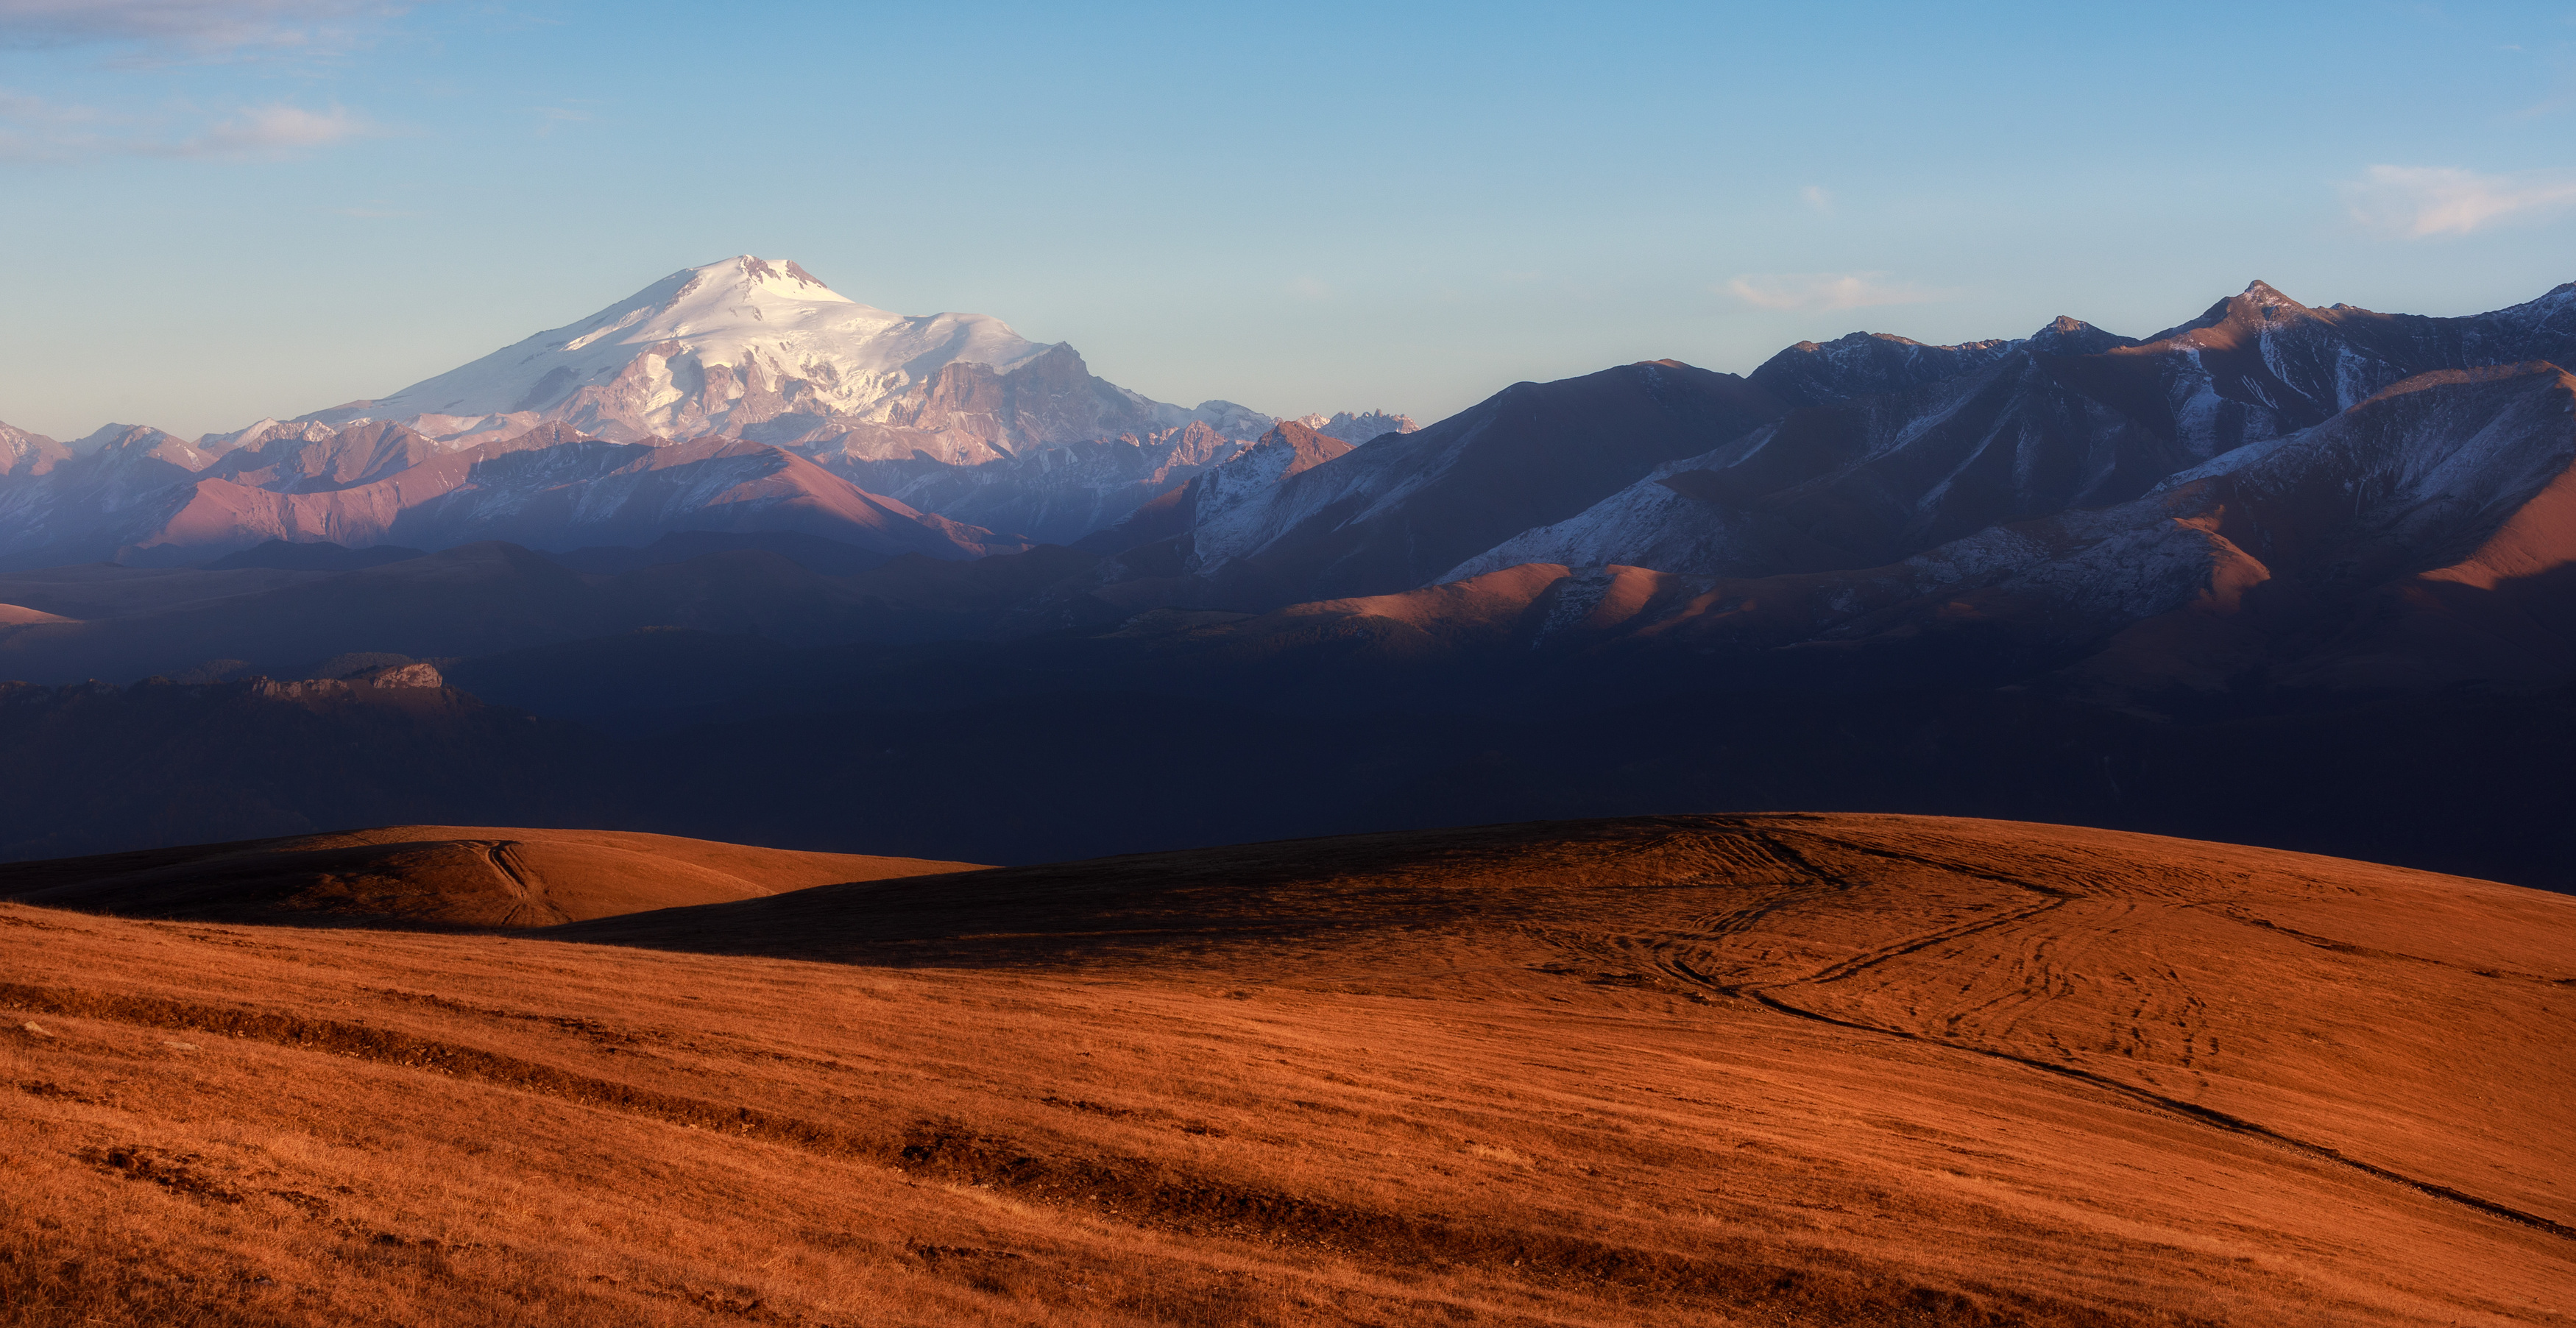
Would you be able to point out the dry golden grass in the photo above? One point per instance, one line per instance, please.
(1698, 1070)
(437, 876)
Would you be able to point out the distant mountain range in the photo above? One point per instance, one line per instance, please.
(2326, 497)
(2047, 577)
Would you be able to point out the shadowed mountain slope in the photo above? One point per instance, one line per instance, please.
(2414, 540)
(1383, 517)
(1767, 1070)
(1905, 459)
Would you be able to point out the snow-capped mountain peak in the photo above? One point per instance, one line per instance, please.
(682, 356)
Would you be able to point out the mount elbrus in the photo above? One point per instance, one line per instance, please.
(791, 407)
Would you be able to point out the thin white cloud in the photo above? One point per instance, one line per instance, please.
(193, 28)
(1817, 197)
(1828, 290)
(35, 130)
(551, 118)
(274, 130)
(2419, 202)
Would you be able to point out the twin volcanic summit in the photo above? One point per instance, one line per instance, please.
(740, 396)
(2140, 582)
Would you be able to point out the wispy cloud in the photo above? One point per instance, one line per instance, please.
(1310, 290)
(551, 118)
(1828, 290)
(272, 131)
(1816, 196)
(2419, 202)
(35, 130)
(193, 28)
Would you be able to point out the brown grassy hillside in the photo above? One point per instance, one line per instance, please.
(435, 876)
(1690, 1070)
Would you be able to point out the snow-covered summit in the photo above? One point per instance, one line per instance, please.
(747, 327)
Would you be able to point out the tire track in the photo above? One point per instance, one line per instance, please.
(533, 898)
(2191, 1111)
(2227, 909)
(1764, 994)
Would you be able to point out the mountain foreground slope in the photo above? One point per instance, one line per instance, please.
(434, 876)
(1770, 1069)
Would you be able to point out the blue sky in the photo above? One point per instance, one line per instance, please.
(215, 210)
